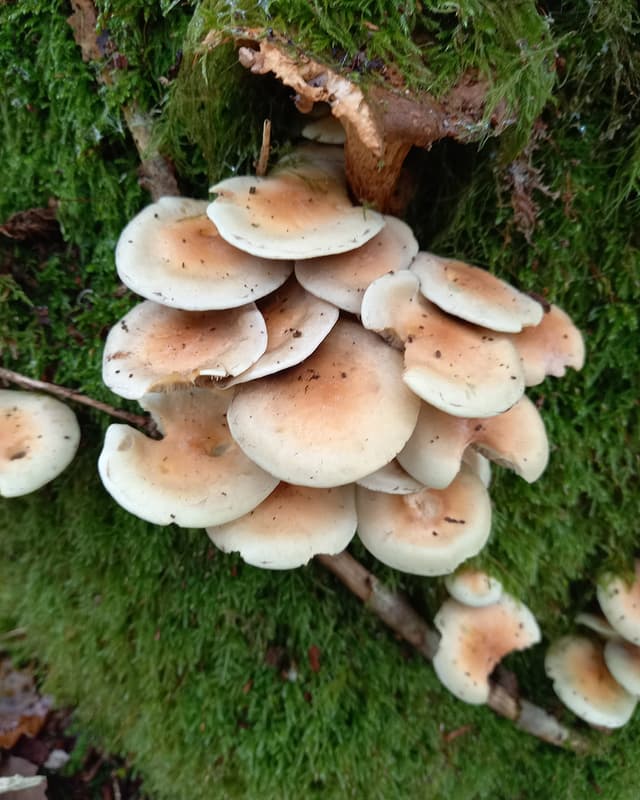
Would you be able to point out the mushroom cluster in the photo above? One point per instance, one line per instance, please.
(313, 373)
(599, 679)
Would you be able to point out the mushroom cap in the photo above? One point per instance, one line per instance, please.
(473, 587)
(342, 279)
(392, 479)
(291, 526)
(318, 423)
(301, 210)
(474, 641)
(39, 437)
(461, 369)
(327, 130)
(598, 624)
(155, 348)
(196, 476)
(474, 294)
(479, 464)
(172, 253)
(550, 347)
(623, 661)
(584, 684)
(516, 439)
(297, 322)
(620, 603)
(430, 532)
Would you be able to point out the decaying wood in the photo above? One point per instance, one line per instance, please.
(382, 123)
(156, 174)
(139, 420)
(394, 610)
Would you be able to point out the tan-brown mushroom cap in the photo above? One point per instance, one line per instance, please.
(342, 279)
(301, 210)
(459, 368)
(155, 348)
(290, 527)
(172, 253)
(516, 439)
(195, 476)
(297, 322)
(473, 587)
(475, 640)
(550, 347)
(392, 479)
(583, 682)
(474, 294)
(620, 603)
(623, 662)
(319, 423)
(39, 437)
(430, 532)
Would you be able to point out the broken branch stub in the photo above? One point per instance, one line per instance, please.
(382, 123)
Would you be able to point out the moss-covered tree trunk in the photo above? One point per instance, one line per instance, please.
(221, 680)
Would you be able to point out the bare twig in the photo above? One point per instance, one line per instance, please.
(265, 149)
(394, 610)
(139, 420)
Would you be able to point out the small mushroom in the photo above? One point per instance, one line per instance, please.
(342, 279)
(620, 603)
(39, 437)
(475, 640)
(172, 253)
(584, 684)
(474, 294)
(195, 476)
(459, 368)
(300, 210)
(623, 662)
(550, 347)
(291, 526)
(392, 479)
(515, 439)
(319, 422)
(430, 532)
(473, 587)
(154, 348)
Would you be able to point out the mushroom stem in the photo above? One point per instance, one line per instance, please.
(139, 420)
(394, 610)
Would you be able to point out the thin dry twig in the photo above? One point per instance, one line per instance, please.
(394, 610)
(139, 420)
(265, 149)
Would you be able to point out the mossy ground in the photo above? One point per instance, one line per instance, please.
(179, 655)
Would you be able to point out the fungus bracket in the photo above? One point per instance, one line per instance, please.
(382, 123)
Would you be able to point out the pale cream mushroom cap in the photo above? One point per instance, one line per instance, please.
(598, 624)
(326, 130)
(582, 681)
(623, 662)
(392, 479)
(459, 368)
(297, 322)
(473, 587)
(155, 348)
(293, 524)
(172, 253)
(343, 278)
(620, 603)
(475, 640)
(341, 414)
(474, 294)
(430, 532)
(479, 464)
(39, 437)
(550, 347)
(301, 210)
(195, 476)
(516, 439)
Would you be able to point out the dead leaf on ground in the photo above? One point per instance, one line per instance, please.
(22, 709)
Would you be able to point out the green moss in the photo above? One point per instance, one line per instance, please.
(183, 657)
